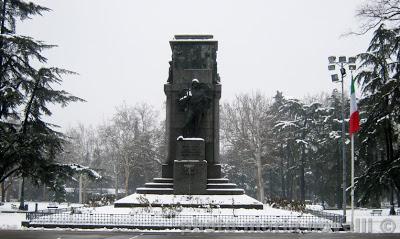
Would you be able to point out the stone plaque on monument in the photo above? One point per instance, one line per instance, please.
(190, 149)
(190, 177)
(190, 166)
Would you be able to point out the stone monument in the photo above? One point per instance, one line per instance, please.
(193, 91)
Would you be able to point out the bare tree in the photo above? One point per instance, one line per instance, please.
(80, 149)
(110, 145)
(375, 12)
(131, 137)
(245, 127)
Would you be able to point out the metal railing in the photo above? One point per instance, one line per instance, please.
(96, 220)
(57, 210)
(327, 215)
(54, 210)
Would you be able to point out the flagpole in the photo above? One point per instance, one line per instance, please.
(352, 159)
(352, 182)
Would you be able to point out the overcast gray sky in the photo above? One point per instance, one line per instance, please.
(121, 48)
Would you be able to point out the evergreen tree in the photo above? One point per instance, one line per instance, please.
(303, 128)
(28, 144)
(379, 79)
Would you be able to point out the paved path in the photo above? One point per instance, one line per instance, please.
(53, 234)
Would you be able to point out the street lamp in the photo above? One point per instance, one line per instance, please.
(342, 62)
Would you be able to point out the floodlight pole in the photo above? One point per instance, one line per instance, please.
(342, 62)
(344, 203)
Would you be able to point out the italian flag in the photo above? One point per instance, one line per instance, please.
(354, 115)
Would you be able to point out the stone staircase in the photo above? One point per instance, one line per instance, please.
(215, 186)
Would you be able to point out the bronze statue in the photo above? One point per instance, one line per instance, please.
(194, 102)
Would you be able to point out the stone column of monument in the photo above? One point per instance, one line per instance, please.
(193, 57)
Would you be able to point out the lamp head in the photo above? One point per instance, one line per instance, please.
(335, 78)
(352, 67)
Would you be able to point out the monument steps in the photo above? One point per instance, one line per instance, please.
(146, 190)
(221, 185)
(225, 191)
(159, 185)
(215, 186)
(217, 180)
(163, 180)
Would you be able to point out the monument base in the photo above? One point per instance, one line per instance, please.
(192, 201)
(213, 171)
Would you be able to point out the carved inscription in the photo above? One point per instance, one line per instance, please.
(190, 150)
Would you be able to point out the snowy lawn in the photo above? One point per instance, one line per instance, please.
(13, 220)
(182, 217)
(13, 206)
(162, 216)
(364, 221)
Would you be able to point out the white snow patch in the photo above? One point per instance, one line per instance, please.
(367, 223)
(189, 139)
(13, 206)
(169, 199)
(315, 207)
(11, 221)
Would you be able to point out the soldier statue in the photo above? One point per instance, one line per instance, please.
(195, 102)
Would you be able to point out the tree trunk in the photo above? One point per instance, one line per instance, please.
(283, 194)
(260, 181)
(22, 195)
(398, 198)
(3, 192)
(44, 196)
(2, 31)
(392, 211)
(376, 201)
(339, 202)
(81, 189)
(116, 182)
(85, 184)
(290, 175)
(7, 190)
(302, 178)
(127, 174)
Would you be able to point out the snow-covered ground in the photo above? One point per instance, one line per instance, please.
(193, 211)
(315, 207)
(365, 222)
(183, 217)
(171, 199)
(13, 220)
(11, 217)
(13, 206)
